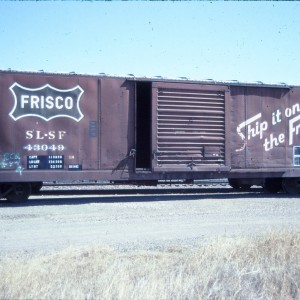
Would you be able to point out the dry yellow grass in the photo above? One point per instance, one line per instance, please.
(253, 268)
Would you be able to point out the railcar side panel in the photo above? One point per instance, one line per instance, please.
(65, 127)
(237, 116)
(117, 121)
(77, 127)
(265, 128)
(47, 121)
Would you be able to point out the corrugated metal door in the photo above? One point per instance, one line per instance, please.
(189, 127)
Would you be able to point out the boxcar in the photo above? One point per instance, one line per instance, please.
(71, 127)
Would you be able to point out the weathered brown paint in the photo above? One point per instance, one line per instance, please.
(117, 124)
(267, 137)
(195, 140)
(260, 131)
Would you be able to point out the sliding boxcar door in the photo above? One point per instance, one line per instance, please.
(189, 127)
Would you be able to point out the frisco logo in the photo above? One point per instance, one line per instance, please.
(46, 102)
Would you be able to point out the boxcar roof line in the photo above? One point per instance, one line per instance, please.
(159, 78)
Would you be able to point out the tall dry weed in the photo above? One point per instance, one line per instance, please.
(253, 268)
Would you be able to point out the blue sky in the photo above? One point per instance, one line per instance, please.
(246, 41)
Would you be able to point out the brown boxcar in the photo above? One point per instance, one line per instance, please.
(70, 127)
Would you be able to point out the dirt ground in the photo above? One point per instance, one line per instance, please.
(129, 222)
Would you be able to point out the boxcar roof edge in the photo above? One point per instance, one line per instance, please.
(132, 77)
